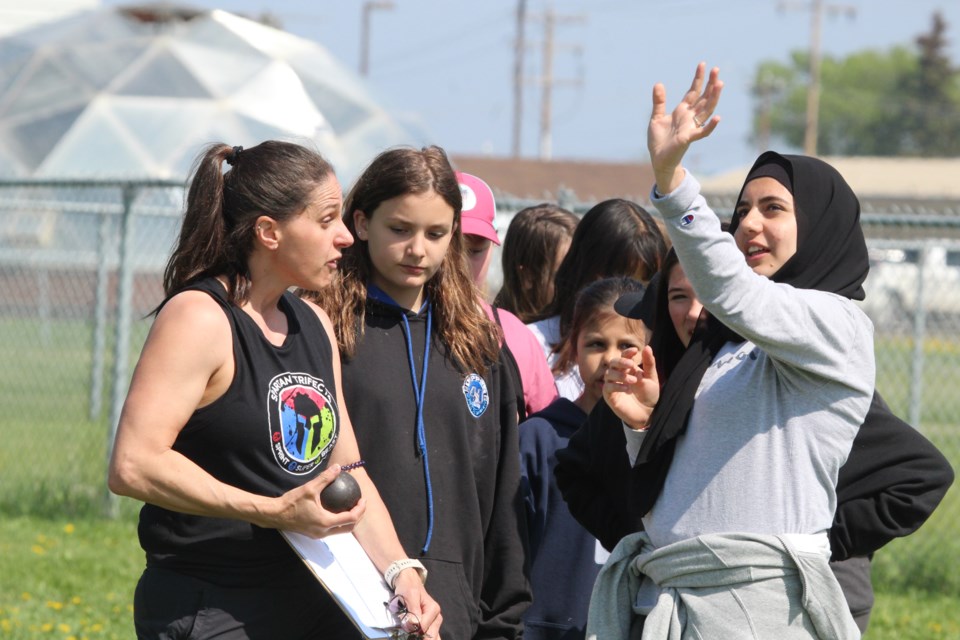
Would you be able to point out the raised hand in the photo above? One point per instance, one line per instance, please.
(669, 135)
(632, 389)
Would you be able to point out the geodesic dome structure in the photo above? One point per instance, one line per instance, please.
(138, 91)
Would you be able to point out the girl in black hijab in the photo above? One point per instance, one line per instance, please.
(738, 463)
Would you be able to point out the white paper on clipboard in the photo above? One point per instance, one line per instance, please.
(347, 573)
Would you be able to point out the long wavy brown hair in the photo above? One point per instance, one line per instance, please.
(459, 320)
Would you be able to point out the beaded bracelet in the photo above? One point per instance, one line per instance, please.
(352, 465)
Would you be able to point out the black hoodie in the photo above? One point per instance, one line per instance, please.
(476, 556)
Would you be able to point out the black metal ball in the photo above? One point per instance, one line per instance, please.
(340, 495)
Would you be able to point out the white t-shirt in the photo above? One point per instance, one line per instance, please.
(547, 333)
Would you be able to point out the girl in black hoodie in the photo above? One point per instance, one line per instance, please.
(434, 410)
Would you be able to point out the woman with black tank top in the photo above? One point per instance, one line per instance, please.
(235, 419)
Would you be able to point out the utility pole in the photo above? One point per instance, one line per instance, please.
(520, 48)
(769, 86)
(546, 86)
(548, 81)
(368, 7)
(816, 7)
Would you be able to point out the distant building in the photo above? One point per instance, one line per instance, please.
(874, 177)
(137, 91)
(900, 197)
(568, 182)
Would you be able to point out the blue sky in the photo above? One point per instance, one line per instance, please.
(447, 64)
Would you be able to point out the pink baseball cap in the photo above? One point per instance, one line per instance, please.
(479, 208)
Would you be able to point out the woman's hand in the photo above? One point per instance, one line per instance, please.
(669, 135)
(632, 389)
(299, 509)
(424, 609)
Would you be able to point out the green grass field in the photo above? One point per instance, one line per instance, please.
(67, 572)
(74, 579)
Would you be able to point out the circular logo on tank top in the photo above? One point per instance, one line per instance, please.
(475, 393)
(303, 421)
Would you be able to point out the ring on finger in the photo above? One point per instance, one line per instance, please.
(698, 123)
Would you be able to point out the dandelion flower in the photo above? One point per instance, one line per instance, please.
(63, 627)
(69, 528)
(53, 604)
(37, 549)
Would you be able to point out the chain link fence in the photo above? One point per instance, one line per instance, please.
(81, 267)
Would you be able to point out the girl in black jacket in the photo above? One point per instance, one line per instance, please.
(434, 411)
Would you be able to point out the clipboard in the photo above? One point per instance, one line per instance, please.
(350, 577)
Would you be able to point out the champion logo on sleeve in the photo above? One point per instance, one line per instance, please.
(686, 220)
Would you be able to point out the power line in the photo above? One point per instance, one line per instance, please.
(546, 80)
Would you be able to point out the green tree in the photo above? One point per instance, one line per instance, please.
(885, 103)
(930, 112)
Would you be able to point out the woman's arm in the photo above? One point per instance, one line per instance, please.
(187, 363)
(375, 531)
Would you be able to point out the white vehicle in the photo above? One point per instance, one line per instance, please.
(911, 277)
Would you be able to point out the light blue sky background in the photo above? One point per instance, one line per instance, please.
(448, 63)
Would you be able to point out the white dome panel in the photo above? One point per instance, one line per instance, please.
(159, 127)
(276, 96)
(43, 85)
(162, 75)
(139, 91)
(222, 72)
(97, 146)
(273, 42)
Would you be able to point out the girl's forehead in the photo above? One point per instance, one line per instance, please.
(426, 205)
(607, 319)
(765, 187)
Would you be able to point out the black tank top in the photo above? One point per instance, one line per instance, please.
(273, 430)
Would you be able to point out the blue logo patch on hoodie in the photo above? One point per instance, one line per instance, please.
(475, 393)
(686, 220)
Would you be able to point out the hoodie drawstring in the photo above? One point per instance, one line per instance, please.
(419, 390)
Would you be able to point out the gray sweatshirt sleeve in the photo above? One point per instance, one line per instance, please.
(805, 332)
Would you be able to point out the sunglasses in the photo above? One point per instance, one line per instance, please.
(409, 627)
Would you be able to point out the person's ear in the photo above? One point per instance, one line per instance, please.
(361, 225)
(267, 232)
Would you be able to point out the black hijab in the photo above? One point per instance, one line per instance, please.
(831, 256)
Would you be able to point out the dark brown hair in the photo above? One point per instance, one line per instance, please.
(459, 320)
(666, 344)
(528, 258)
(274, 178)
(596, 299)
(614, 238)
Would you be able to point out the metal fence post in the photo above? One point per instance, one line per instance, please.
(121, 347)
(919, 337)
(100, 318)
